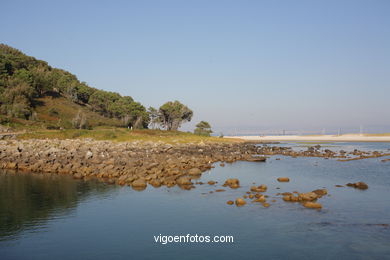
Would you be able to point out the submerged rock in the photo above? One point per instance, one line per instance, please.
(358, 185)
(230, 202)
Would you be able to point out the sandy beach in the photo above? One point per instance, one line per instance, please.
(318, 138)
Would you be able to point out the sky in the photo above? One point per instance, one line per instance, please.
(247, 67)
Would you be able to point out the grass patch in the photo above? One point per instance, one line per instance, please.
(124, 135)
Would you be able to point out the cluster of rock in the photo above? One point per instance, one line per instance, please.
(254, 193)
(135, 164)
(315, 151)
(308, 199)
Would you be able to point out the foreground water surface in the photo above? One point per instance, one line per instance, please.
(55, 217)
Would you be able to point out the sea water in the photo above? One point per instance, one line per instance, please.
(55, 217)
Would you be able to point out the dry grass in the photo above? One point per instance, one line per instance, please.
(125, 135)
(384, 134)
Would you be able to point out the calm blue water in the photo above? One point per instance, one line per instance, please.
(57, 217)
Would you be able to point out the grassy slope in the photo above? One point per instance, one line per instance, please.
(66, 109)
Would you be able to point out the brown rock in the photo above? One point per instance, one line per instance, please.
(312, 205)
(139, 183)
(260, 199)
(320, 192)
(77, 176)
(240, 202)
(232, 183)
(265, 204)
(183, 180)
(358, 185)
(230, 202)
(283, 179)
(211, 182)
(310, 196)
(195, 171)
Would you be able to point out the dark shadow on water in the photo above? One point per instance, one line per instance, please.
(29, 200)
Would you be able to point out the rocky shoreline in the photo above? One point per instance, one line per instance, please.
(128, 163)
(139, 164)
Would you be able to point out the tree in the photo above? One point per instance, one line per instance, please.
(173, 114)
(203, 128)
(154, 116)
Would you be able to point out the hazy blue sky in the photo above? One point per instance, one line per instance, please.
(241, 65)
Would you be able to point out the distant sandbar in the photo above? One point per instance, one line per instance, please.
(318, 138)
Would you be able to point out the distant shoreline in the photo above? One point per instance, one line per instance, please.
(319, 138)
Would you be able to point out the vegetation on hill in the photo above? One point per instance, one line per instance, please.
(36, 95)
(25, 83)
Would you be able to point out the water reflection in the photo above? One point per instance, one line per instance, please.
(28, 200)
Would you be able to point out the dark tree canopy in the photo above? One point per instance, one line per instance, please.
(173, 114)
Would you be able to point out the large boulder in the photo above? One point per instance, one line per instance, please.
(240, 202)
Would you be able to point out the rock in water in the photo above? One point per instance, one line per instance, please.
(139, 183)
(358, 185)
(320, 192)
(312, 205)
(232, 183)
(283, 179)
(309, 196)
(184, 181)
(230, 202)
(257, 159)
(240, 202)
(194, 171)
(265, 204)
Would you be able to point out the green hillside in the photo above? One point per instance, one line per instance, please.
(33, 94)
